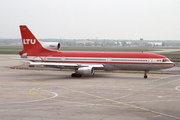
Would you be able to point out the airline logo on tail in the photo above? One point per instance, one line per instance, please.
(29, 41)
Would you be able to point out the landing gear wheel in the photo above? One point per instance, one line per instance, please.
(145, 76)
(73, 75)
(76, 75)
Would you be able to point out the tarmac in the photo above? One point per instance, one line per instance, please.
(51, 94)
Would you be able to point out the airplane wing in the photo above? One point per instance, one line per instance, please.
(67, 65)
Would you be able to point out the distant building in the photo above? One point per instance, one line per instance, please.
(155, 43)
(118, 43)
(128, 43)
(141, 42)
(85, 42)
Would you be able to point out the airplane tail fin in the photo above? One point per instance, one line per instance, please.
(29, 41)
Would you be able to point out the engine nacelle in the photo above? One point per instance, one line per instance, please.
(85, 71)
(51, 45)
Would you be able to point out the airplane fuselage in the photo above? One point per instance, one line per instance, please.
(111, 60)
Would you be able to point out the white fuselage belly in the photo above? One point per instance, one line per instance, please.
(138, 67)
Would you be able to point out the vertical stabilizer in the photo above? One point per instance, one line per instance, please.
(29, 41)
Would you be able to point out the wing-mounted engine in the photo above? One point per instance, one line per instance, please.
(85, 71)
(54, 46)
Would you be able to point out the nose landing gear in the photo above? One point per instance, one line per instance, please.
(145, 74)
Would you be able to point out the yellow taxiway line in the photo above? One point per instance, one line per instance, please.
(107, 99)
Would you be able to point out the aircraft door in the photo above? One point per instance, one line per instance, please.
(109, 60)
(63, 59)
(150, 61)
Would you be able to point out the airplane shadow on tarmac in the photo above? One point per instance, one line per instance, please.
(45, 76)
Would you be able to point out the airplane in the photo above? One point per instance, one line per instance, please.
(85, 63)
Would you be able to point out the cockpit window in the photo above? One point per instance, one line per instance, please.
(165, 60)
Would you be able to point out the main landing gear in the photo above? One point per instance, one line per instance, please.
(76, 75)
(145, 74)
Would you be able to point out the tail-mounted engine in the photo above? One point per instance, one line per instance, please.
(54, 46)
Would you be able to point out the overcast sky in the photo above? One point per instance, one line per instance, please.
(90, 19)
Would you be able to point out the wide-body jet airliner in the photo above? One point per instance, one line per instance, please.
(84, 63)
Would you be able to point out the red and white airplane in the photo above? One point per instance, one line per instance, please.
(84, 63)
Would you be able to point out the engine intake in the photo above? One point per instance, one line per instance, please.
(85, 71)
